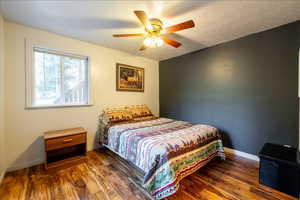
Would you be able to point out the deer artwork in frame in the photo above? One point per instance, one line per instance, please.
(130, 78)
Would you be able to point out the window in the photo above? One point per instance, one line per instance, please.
(57, 79)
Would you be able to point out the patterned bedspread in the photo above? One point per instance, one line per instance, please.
(166, 150)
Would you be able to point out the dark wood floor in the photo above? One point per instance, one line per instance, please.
(101, 178)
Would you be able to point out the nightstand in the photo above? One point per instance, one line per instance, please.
(64, 148)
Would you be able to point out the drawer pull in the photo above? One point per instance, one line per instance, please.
(67, 141)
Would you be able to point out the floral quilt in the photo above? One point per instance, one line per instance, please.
(166, 150)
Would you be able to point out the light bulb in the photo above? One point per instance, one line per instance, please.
(153, 42)
(147, 42)
(159, 42)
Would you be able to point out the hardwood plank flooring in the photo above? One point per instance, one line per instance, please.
(103, 178)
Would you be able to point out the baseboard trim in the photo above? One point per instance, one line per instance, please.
(242, 154)
(25, 165)
(2, 176)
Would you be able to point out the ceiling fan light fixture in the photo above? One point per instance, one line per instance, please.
(153, 42)
(155, 31)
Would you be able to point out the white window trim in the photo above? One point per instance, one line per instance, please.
(30, 45)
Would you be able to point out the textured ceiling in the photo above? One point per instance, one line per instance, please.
(217, 21)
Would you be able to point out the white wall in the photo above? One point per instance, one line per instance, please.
(2, 153)
(24, 128)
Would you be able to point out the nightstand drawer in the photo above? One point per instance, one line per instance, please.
(61, 142)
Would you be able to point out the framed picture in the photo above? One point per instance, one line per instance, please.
(130, 78)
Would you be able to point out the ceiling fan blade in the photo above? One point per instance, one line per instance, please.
(170, 41)
(143, 18)
(143, 47)
(179, 27)
(129, 35)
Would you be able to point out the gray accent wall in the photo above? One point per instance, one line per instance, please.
(248, 88)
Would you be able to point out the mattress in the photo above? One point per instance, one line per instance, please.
(165, 150)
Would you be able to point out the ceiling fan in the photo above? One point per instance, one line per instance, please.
(155, 32)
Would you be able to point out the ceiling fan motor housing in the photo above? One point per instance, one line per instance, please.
(156, 24)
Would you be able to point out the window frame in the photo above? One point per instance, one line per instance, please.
(31, 47)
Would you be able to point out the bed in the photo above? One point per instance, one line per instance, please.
(164, 150)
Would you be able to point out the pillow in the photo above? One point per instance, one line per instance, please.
(144, 118)
(140, 112)
(117, 115)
